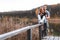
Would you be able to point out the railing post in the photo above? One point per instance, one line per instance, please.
(40, 33)
(29, 34)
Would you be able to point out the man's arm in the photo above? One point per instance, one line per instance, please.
(48, 13)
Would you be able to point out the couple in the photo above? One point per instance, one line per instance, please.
(43, 17)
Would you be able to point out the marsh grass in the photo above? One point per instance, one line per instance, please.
(10, 23)
(56, 28)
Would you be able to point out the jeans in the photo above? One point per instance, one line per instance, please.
(44, 32)
(45, 29)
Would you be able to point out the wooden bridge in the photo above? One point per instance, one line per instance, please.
(29, 33)
(51, 38)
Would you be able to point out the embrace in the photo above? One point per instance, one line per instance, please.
(43, 16)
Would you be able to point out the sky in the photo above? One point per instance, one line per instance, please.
(18, 5)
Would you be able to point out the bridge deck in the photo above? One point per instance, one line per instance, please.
(51, 38)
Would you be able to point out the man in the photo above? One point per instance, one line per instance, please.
(48, 13)
(46, 25)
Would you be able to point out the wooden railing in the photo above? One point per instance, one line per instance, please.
(15, 32)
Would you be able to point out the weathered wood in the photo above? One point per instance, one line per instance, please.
(15, 32)
(51, 38)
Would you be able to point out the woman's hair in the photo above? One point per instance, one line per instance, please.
(36, 11)
(41, 10)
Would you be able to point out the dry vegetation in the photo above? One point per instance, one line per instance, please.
(9, 23)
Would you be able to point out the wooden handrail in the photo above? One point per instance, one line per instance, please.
(15, 32)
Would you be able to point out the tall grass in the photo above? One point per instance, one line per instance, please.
(10, 23)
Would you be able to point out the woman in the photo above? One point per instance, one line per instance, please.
(41, 18)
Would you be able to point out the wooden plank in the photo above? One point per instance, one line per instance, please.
(51, 38)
